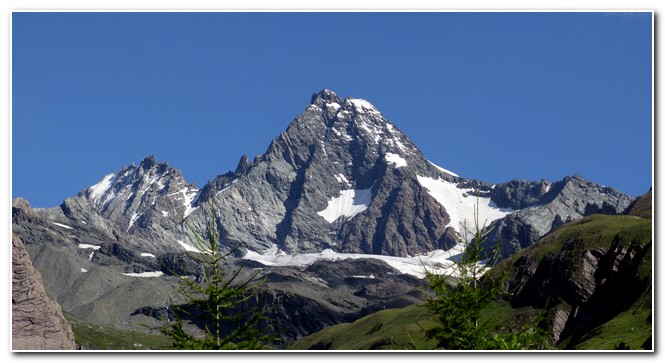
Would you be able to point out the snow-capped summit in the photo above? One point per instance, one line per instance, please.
(143, 198)
(340, 177)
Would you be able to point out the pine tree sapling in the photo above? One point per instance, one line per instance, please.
(231, 318)
(457, 300)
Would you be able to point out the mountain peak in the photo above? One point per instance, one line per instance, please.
(325, 96)
(150, 162)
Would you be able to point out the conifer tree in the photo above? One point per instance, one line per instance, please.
(232, 316)
(459, 298)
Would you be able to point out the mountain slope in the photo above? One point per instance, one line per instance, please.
(588, 273)
(593, 279)
(344, 177)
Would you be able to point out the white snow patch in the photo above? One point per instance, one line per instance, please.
(342, 179)
(83, 270)
(395, 159)
(334, 106)
(442, 169)
(190, 248)
(100, 188)
(349, 203)
(460, 204)
(364, 277)
(165, 213)
(190, 195)
(91, 255)
(372, 130)
(272, 251)
(82, 221)
(85, 246)
(363, 105)
(394, 141)
(145, 274)
(438, 261)
(62, 225)
(227, 188)
(146, 254)
(132, 220)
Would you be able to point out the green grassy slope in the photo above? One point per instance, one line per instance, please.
(95, 337)
(400, 329)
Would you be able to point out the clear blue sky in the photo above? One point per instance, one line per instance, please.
(490, 96)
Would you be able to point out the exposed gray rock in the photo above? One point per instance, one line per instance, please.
(548, 206)
(37, 320)
(335, 145)
(559, 320)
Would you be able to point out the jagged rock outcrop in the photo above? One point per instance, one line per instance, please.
(546, 206)
(37, 320)
(584, 273)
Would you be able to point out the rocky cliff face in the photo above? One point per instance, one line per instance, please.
(341, 177)
(544, 206)
(37, 320)
(585, 273)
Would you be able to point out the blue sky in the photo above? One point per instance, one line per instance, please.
(489, 96)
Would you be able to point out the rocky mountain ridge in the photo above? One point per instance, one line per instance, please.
(341, 178)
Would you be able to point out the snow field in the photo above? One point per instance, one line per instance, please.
(439, 261)
(395, 159)
(348, 204)
(461, 203)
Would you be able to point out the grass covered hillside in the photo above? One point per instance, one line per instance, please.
(594, 277)
(97, 337)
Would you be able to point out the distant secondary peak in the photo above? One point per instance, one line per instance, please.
(325, 96)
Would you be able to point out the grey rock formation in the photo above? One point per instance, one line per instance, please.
(340, 177)
(37, 320)
(546, 206)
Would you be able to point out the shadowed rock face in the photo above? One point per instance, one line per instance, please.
(37, 320)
